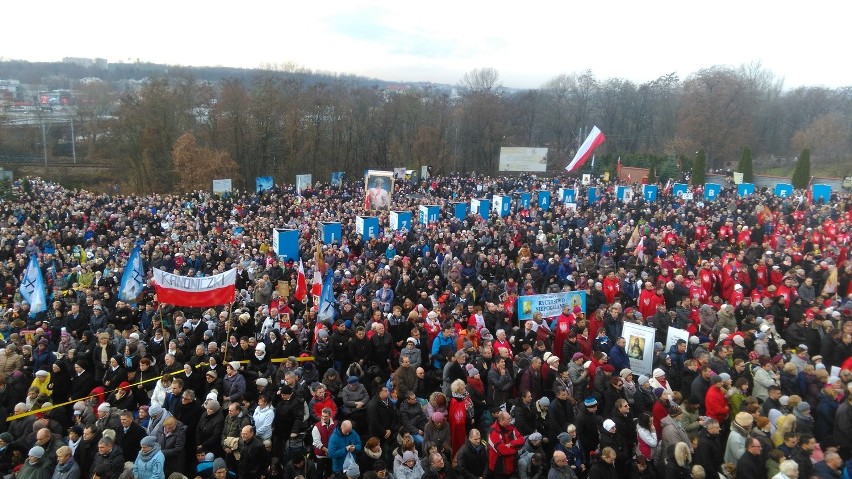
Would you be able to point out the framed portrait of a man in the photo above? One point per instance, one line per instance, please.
(378, 186)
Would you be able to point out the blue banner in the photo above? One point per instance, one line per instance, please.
(337, 179)
(367, 227)
(821, 192)
(525, 200)
(133, 278)
(550, 305)
(331, 233)
(649, 192)
(285, 243)
(400, 220)
(460, 211)
(326, 311)
(680, 189)
(481, 207)
(592, 194)
(262, 183)
(745, 189)
(568, 195)
(711, 191)
(502, 205)
(32, 287)
(783, 190)
(428, 214)
(620, 192)
(544, 200)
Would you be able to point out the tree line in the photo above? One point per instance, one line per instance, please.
(285, 125)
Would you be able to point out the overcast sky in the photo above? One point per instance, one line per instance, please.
(528, 42)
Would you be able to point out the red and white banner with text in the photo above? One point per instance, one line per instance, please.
(194, 292)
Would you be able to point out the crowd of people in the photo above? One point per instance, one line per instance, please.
(425, 371)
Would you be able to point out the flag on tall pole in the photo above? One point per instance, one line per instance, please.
(133, 278)
(316, 287)
(594, 140)
(301, 293)
(32, 287)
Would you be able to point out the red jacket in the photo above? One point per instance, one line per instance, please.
(716, 404)
(503, 446)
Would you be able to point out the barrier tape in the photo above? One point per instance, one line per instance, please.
(107, 393)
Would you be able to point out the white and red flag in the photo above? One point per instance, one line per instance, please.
(195, 292)
(301, 292)
(316, 287)
(594, 140)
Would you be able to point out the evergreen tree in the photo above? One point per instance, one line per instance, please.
(802, 173)
(745, 167)
(699, 170)
(652, 174)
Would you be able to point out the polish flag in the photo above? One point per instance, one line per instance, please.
(195, 292)
(301, 293)
(316, 287)
(595, 138)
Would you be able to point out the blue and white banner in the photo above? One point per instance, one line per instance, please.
(783, 190)
(367, 227)
(544, 200)
(32, 287)
(592, 194)
(133, 278)
(649, 192)
(821, 192)
(481, 207)
(285, 243)
(428, 214)
(549, 305)
(621, 192)
(745, 189)
(502, 205)
(337, 179)
(524, 200)
(567, 195)
(331, 232)
(711, 191)
(327, 312)
(400, 220)
(680, 189)
(262, 183)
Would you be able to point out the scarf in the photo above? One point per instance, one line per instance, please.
(150, 455)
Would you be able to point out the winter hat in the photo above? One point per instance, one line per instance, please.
(590, 401)
(104, 407)
(739, 341)
(36, 451)
(784, 400)
(659, 392)
(408, 456)
(608, 425)
(744, 419)
(625, 372)
(213, 405)
(658, 373)
(643, 380)
(323, 334)
(577, 356)
(219, 463)
(725, 376)
(212, 374)
(155, 410)
(544, 402)
(534, 437)
(235, 365)
(563, 437)
(7, 438)
(803, 407)
(148, 441)
(472, 372)
(437, 416)
(41, 373)
(352, 379)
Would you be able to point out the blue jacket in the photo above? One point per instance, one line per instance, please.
(437, 343)
(337, 444)
(677, 358)
(152, 469)
(618, 358)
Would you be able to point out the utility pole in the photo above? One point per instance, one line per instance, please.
(73, 141)
(43, 141)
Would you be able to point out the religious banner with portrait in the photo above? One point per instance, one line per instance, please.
(640, 347)
(378, 187)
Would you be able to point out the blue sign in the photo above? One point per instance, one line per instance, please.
(331, 233)
(711, 191)
(481, 207)
(427, 214)
(502, 205)
(549, 305)
(544, 200)
(620, 191)
(460, 211)
(285, 243)
(821, 193)
(680, 189)
(263, 183)
(783, 190)
(525, 200)
(568, 195)
(337, 179)
(400, 220)
(367, 227)
(592, 194)
(649, 192)
(745, 189)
